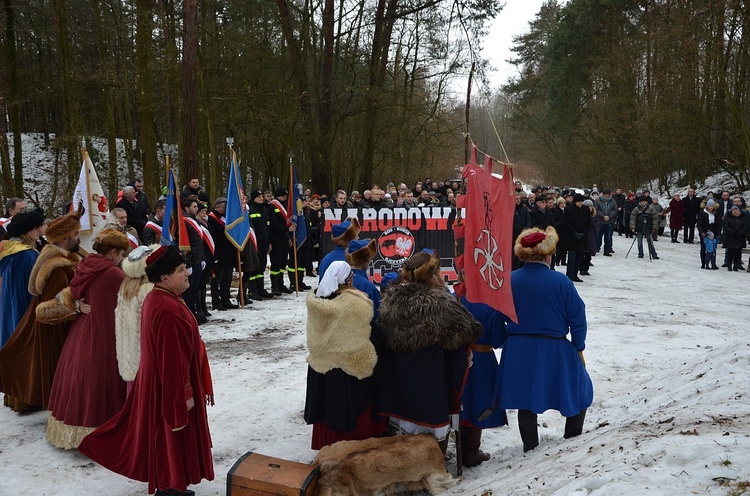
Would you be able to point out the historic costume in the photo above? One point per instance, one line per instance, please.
(161, 436)
(88, 390)
(341, 235)
(29, 359)
(17, 258)
(342, 359)
(540, 369)
(426, 334)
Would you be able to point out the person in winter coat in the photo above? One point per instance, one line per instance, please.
(224, 259)
(17, 257)
(130, 297)
(711, 244)
(196, 257)
(627, 209)
(341, 235)
(574, 231)
(692, 208)
(644, 220)
(88, 390)
(676, 216)
(590, 250)
(261, 223)
(540, 369)
(426, 352)
(735, 228)
(662, 218)
(342, 360)
(606, 209)
(521, 221)
(708, 220)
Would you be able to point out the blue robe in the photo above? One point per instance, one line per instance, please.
(540, 369)
(338, 254)
(15, 271)
(479, 392)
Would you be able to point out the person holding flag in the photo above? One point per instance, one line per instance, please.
(281, 226)
(299, 252)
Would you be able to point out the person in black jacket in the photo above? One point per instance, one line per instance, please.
(521, 221)
(225, 257)
(540, 216)
(136, 211)
(708, 220)
(195, 258)
(261, 222)
(193, 187)
(692, 206)
(152, 230)
(573, 232)
(735, 227)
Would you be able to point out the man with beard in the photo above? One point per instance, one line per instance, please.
(29, 359)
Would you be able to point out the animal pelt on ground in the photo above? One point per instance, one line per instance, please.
(376, 466)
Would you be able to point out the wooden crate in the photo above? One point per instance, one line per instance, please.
(255, 474)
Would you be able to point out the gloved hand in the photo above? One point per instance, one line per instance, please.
(203, 265)
(583, 360)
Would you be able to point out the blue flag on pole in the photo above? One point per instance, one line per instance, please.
(238, 219)
(298, 216)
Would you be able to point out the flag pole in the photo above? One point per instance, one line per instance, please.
(85, 201)
(240, 289)
(294, 233)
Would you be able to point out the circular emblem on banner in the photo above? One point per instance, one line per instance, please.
(396, 245)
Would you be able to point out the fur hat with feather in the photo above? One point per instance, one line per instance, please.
(134, 265)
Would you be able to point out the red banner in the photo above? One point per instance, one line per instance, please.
(488, 234)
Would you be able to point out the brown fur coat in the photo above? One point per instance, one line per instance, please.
(415, 316)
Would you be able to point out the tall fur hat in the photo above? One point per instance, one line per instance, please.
(361, 252)
(109, 239)
(162, 262)
(534, 244)
(342, 234)
(63, 227)
(134, 265)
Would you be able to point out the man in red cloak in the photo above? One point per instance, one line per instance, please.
(161, 435)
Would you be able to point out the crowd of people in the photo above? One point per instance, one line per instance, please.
(109, 342)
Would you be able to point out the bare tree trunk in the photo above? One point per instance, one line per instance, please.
(189, 145)
(13, 105)
(144, 82)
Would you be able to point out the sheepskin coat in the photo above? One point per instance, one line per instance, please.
(128, 332)
(340, 379)
(29, 359)
(424, 362)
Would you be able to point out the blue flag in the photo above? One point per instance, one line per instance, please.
(238, 219)
(298, 216)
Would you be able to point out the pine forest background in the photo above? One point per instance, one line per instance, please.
(616, 92)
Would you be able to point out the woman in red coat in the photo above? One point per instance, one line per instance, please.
(161, 435)
(88, 390)
(676, 216)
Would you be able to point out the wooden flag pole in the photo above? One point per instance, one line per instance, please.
(294, 233)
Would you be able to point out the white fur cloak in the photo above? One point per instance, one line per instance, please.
(338, 334)
(128, 332)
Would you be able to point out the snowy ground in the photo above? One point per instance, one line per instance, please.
(667, 350)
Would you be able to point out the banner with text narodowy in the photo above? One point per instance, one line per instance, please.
(400, 232)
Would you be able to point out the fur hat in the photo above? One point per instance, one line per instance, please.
(24, 222)
(134, 265)
(361, 252)
(163, 262)
(578, 198)
(63, 227)
(534, 244)
(109, 239)
(281, 192)
(219, 201)
(342, 234)
(423, 266)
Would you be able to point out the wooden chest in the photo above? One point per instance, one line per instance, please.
(256, 474)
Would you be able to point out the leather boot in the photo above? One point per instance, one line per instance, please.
(574, 425)
(202, 302)
(283, 288)
(260, 288)
(444, 444)
(252, 291)
(471, 439)
(528, 428)
(275, 285)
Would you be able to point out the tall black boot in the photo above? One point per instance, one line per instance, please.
(202, 302)
(260, 288)
(528, 428)
(471, 439)
(252, 290)
(574, 425)
(275, 285)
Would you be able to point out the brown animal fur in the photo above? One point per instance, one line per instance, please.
(376, 466)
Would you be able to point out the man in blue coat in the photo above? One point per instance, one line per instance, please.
(341, 235)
